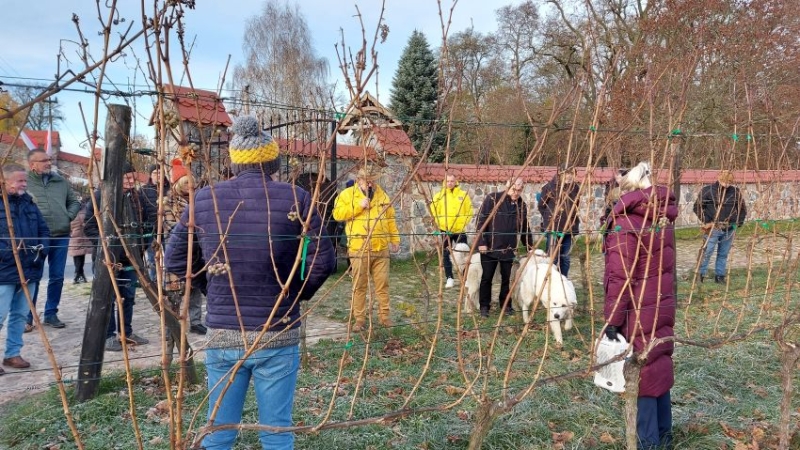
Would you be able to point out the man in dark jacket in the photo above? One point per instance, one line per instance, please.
(498, 242)
(263, 243)
(31, 238)
(721, 209)
(137, 218)
(558, 204)
(151, 194)
(59, 205)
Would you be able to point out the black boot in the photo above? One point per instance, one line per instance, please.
(719, 279)
(702, 278)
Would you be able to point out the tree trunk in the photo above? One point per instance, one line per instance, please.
(631, 371)
(90, 366)
(485, 415)
(789, 356)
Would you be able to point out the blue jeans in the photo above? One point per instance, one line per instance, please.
(561, 259)
(721, 242)
(56, 262)
(274, 374)
(450, 240)
(126, 280)
(150, 259)
(654, 422)
(14, 305)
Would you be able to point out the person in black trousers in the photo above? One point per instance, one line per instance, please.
(498, 242)
(79, 245)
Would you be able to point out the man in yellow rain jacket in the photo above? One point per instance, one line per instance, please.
(371, 233)
(452, 210)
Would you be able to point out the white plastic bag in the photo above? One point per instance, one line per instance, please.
(610, 377)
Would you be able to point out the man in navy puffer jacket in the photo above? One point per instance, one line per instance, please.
(32, 240)
(267, 262)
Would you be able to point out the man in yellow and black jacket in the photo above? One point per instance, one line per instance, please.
(452, 210)
(372, 233)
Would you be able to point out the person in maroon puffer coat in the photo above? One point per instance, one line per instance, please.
(640, 294)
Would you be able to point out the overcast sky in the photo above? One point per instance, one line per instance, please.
(33, 32)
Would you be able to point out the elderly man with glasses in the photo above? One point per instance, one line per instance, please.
(59, 205)
(502, 226)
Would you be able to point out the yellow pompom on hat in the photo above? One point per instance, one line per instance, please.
(251, 148)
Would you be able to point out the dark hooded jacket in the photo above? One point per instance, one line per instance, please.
(559, 205)
(507, 226)
(150, 191)
(262, 220)
(722, 205)
(641, 242)
(32, 239)
(136, 223)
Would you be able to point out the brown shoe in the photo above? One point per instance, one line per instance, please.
(16, 362)
(387, 323)
(29, 327)
(358, 327)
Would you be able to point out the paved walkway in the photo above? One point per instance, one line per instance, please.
(66, 342)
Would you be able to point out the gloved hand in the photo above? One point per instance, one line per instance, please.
(612, 332)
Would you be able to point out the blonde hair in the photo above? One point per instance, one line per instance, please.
(725, 176)
(636, 178)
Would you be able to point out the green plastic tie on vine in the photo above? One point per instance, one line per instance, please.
(348, 345)
(618, 227)
(735, 137)
(560, 234)
(306, 241)
(592, 128)
(749, 137)
(675, 132)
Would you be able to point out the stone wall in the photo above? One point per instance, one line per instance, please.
(775, 201)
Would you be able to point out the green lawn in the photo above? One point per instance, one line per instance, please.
(422, 366)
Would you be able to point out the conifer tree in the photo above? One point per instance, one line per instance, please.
(414, 96)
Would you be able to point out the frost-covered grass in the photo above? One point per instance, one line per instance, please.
(723, 396)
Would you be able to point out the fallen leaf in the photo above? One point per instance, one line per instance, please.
(564, 436)
(731, 432)
(606, 438)
(455, 391)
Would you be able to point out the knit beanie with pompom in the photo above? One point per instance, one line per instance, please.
(251, 148)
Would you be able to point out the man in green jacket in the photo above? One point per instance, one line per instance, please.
(59, 205)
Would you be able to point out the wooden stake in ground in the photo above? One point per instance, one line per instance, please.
(118, 126)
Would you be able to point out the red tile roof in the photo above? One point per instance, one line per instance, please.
(8, 138)
(472, 173)
(73, 158)
(39, 138)
(195, 105)
(393, 141)
(297, 147)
